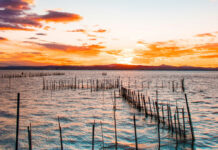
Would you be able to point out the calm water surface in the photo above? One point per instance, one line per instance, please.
(78, 109)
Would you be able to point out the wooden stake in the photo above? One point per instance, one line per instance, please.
(183, 116)
(18, 117)
(93, 136)
(136, 140)
(60, 130)
(29, 137)
(190, 119)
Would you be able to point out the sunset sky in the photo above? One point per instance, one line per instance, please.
(101, 32)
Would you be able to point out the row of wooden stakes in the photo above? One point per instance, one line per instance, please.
(31, 74)
(176, 123)
(74, 83)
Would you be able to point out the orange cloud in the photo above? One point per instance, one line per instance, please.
(57, 16)
(205, 35)
(141, 42)
(47, 28)
(114, 52)
(32, 59)
(208, 46)
(159, 49)
(91, 35)
(176, 52)
(100, 31)
(82, 51)
(28, 1)
(209, 56)
(93, 39)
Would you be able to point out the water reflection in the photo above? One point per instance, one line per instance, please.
(79, 108)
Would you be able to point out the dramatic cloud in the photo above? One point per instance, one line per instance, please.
(14, 16)
(205, 35)
(15, 4)
(89, 50)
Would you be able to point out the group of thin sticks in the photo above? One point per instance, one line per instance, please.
(31, 74)
(163, 113)
(74, 83)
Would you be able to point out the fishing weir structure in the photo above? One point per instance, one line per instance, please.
(174, 118)
(177, 120)
(75, 83)
(31, 74)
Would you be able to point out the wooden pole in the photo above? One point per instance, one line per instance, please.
(190, 119)
(158, 124)
(150, 105)
(183, 85)
(115, 126)
(163, 114)
(29, 137)
(18, 117)
(60, 130)
(136, 140)
(93, 136)
(183, 116)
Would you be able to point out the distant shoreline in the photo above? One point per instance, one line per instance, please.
(119, 67)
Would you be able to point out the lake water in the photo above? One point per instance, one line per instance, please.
(79, 108)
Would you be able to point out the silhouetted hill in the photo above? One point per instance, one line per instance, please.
(108, 67)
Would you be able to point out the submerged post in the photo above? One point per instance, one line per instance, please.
(183, 117)
(18, 117)
(136, 140)
(60, 130)
(190, 119)
(93, 136)
(183, 85)
(29, 137)
(115, 127)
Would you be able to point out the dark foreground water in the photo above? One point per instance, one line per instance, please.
(78, 109)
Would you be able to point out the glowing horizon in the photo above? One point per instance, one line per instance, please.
(40, 33)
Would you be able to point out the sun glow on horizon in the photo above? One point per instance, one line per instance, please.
(126, 57)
